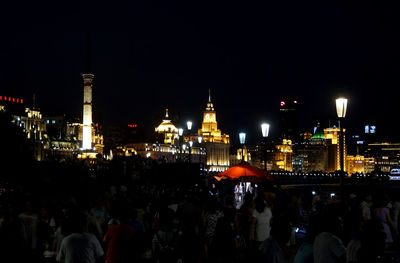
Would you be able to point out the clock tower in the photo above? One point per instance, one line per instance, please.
(209, 125)
(216, 143)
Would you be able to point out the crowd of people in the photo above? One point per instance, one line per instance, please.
(147, 223)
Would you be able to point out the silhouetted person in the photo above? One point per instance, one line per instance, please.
(120, 241)
(272, 249)
(305, 253)
(382, 214)
(328, 247)
(372, 242)
(80, 246)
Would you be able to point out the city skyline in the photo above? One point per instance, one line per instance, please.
(152, 56)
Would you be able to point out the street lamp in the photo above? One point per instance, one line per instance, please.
(200, 139)
(180, 133)
(189, 125)
(190, 151)
(265, 132)
(341, 108)
(242, 139)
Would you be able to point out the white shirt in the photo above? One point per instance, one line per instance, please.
(328, 248)
(262, 224)
(77, 248)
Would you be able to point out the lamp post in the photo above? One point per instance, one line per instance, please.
(242, 139)
(184, 148)
(341, 108)
(265, 132)
(180, 133)
(190, 151)
(189, 127)
(199, 140)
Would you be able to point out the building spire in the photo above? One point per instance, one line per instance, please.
(34, 101)
(166, 114)
(209, 95)
(89, 54)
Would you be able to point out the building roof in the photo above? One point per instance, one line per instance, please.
(166, 125)
(319, 133)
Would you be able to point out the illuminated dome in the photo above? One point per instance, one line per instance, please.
(168, 129)
(166, 125)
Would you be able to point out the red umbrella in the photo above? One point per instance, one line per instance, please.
(245, 172)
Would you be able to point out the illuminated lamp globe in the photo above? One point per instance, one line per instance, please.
(265, 129)
(341, 107)
(242, 137)
(189, 125)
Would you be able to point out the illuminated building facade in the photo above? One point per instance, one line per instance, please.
(283, 156)
(30, 120)
(168, 130)
(386, 155)
(312, 154)
(246, 155)
(359, 164)
(162, 152)
(75, 131)
(332, 137)
(216, 144)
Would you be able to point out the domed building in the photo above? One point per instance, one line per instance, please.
(168, 129)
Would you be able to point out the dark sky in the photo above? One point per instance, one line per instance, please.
(149, 55)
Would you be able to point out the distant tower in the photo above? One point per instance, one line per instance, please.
(87, 102)
(288, 112)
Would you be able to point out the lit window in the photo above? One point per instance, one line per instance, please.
(53, 121)
(47, 121)
(372, 129)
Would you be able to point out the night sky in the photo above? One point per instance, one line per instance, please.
(150, 55)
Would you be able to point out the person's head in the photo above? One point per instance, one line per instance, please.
(368, 198)
(331, 222)
(76, 223)
(28, 208)
(44, 213)
(314, 228)
(380, 201)
(259, 204)
(281, 230)
(269, 196)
